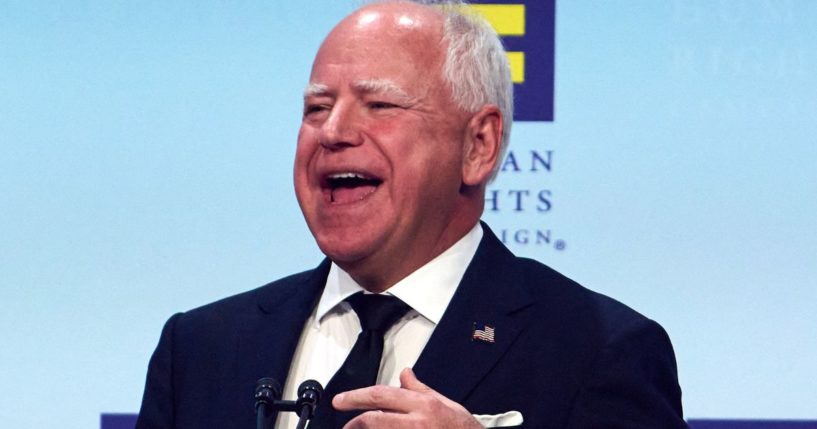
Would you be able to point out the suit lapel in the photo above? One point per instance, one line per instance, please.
(452, 363)
(270, 335)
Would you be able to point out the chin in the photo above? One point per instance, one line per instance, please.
(344, 250)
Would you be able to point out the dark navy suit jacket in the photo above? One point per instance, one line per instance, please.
(563, 356)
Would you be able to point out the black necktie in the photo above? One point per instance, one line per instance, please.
(377, 313)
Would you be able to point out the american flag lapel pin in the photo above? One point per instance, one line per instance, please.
(484, 333)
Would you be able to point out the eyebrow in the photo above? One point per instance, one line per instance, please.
(383, 86)
(380, 86)
(315, 89)
(368, 86)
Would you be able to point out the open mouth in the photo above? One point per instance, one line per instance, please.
(349, 187)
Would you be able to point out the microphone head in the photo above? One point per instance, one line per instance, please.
(309, 394)
(267, 390)
(311, 388)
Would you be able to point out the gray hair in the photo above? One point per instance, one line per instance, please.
(476, 67)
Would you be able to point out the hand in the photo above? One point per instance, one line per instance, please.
(413, 404)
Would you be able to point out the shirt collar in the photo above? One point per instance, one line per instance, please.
(428, 290)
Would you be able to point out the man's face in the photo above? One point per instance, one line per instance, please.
(378, 168)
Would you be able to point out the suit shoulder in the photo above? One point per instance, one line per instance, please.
(235, 307)
(621, 360)
(576, 303)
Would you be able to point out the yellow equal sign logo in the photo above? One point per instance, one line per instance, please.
(507, 20)
(527, 29)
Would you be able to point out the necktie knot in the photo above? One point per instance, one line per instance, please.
(377, 312)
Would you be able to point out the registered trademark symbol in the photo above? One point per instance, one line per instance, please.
(560, 245)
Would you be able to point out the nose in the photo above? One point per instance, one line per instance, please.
(341, 128)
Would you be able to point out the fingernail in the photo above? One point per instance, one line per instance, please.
(338, 397)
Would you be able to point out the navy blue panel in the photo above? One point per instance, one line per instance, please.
(752, 424)
(128, 421)
(118, 421)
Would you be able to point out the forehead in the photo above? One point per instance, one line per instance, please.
(401, 43)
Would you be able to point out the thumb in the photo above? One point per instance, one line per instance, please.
(409, 381)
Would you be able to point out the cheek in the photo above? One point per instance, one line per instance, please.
(304, 137)
(305, 148)
(300, 173)
(428, 177)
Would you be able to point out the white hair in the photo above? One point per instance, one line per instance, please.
(476, 67)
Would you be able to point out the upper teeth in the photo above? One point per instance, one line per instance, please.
(347, 176)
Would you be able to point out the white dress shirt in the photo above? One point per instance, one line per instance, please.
(332, 329)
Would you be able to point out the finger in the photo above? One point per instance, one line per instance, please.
(408, 380)
(378, 397)
(379, 419)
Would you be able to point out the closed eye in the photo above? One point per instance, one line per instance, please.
(314, 108)
(382, 105)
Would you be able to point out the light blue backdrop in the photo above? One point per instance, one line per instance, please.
(145, 168)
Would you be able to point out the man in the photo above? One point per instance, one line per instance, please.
(406, 114)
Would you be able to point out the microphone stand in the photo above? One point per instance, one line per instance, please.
(303, 417)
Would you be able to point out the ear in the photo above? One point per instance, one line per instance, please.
(483, 137)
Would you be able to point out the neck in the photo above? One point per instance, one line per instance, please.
(378, 281)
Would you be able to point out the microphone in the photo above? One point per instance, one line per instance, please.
(267, 393)
(267, 390)
(309, 394)
(268, 399)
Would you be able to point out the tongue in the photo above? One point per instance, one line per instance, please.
(344, 195)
